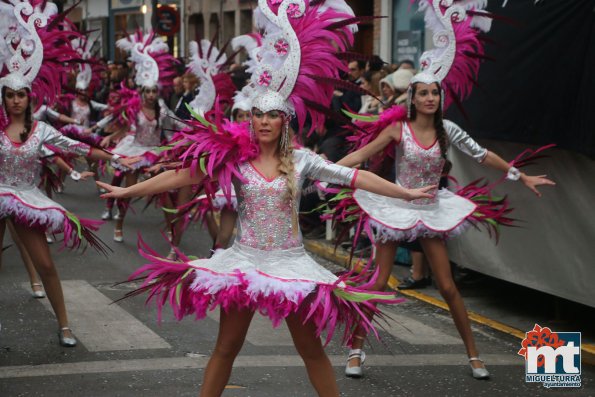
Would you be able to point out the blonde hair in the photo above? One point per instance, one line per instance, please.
(287, 169)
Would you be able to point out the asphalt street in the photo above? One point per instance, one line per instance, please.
(124, 351)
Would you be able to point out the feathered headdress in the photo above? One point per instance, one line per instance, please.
(35, 48)
(207, 63)
(459, 50)
(88, 75)
(250, 42)
(154, 65)
(297, 66)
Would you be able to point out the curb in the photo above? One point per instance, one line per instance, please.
(340, 257)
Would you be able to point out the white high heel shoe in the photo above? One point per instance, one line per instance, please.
(357, 371)
(38, 292)
(478, 373)
(66, 341)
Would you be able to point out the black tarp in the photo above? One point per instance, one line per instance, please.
(541, 87)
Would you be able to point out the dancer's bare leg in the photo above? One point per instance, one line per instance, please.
(226, 225)
(385, 258)
(435, 251)
(212, 226)
(33, 277)
(184, 196)
(309, 347)
(131, 178)
(37, 247)
(233, 327)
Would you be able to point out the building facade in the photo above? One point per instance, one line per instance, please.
(399, 35)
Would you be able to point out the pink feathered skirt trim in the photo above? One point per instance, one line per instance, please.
(347, 303)
(53, 220)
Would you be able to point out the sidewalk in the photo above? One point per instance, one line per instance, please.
(503, 306)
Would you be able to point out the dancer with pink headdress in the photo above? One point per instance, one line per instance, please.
(141, 117)
(417, 139)
(267, 268)
(34, 54)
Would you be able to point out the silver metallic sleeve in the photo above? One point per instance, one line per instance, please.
(319, 169)
(104, 121)
(46, 152)
(462, 141)
(97, 106)
(51, 136)
(52, 114)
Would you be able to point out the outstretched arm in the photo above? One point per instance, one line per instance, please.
(530, 181)
(390, 133)
(371, 182)
(163, 182)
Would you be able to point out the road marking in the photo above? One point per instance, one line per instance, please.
(415, 332)
(254, 361)
(101, 326)
(261, 331)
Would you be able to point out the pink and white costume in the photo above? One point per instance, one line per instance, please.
(82, 113)
(20, 169)
(444, 215)
(145, 138)
(267, 268)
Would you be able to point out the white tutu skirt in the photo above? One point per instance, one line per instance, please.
(129, 147)
(398, 220)
(275, 283)
(30, 207)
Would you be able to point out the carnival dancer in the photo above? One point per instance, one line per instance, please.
(267, 268)
(34, 58)
(418, 138)
(146, 115)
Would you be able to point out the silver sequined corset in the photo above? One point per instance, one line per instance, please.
(264, 214)
(19, 163)
(81, 113)
(416, 165)
(147, 133)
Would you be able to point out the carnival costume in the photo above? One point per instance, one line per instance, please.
(453, 65)
(267, 269)
(154, 68)
(34, 58)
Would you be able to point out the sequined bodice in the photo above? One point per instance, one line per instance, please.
(147, 133)
(417, 166)
(265, 215)
(19, 163)
(81, 113)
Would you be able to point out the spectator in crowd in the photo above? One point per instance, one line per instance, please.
(189, 84)
(394, 87)
(375, 64)
(370, 103)
(387, 92)
(407, 64)
(102, 93)
(176, 95)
